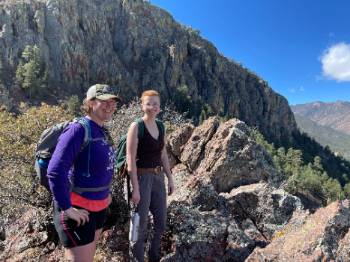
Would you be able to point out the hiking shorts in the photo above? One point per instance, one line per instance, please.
(72, 235)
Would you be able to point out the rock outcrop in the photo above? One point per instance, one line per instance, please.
(322, 237)
(136, 46)
(226, 203)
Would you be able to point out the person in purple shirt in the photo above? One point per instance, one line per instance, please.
(80, 177)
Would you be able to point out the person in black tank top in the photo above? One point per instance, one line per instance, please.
(147, 162)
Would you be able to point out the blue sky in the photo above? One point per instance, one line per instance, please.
(300, 47)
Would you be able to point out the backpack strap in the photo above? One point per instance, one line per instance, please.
(141, 127)
(87, 134)
(160, 127)
(87, 139)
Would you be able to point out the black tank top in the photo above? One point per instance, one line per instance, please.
(149, 150)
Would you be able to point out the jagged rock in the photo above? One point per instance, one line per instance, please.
(317, 239)
(175, 142)
(343, 252)
(173, 161)
(205, 236)
(134, 45)
(178, 139)
(29, 237)
(269, 209)
(181, 177)
(207, 223)
(193, 150)
(232, 159)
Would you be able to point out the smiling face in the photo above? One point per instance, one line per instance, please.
(102, 110)
(151, 105)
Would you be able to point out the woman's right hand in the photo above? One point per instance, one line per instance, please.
(135, 198)
(79, 215)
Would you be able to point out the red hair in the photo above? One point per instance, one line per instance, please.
(149, 93)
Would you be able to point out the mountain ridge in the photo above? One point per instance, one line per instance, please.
(337, 141)
(335, 115)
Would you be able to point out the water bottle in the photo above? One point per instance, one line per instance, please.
(134, 227)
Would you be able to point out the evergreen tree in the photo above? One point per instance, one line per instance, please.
(32, 73)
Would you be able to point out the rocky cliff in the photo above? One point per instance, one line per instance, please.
(136, 46)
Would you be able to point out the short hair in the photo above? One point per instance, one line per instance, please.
(149, 93)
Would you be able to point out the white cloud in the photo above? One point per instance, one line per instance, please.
(336, 62)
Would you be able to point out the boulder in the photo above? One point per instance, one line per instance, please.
(231, 158)
(268, 208)
(177, 139)
(319, 238)
(192, 152)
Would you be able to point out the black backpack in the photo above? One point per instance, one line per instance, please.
(47, 144)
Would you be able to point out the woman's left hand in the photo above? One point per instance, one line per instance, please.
(171, 186)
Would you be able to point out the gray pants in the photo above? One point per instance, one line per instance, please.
(153, 198)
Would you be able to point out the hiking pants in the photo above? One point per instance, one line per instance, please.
(153, 198)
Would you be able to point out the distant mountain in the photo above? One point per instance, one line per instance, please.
(337, 141)
(335, 115)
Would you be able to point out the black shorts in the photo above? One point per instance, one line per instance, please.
(72, 235)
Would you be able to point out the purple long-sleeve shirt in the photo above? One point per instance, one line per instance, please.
(69, 162)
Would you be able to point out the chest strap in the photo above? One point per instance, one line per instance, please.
(80, 190)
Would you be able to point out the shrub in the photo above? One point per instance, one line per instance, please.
(73, 105)
(18, 137)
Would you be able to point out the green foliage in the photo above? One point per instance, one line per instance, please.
(32, 72)
(301, 177)
(73, 105)
(18, 137)
(193, 108)
(336, 167)
(182, 100)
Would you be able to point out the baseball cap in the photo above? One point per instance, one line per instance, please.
(100, 91)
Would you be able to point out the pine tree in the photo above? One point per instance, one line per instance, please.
(32, 73)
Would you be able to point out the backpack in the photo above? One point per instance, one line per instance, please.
(47, 144)
(121, 166)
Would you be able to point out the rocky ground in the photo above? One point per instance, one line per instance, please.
(229, 206)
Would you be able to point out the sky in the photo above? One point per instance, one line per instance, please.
(300, 47)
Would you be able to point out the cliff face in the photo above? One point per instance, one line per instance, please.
(135, 46)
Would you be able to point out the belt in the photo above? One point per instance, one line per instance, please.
(152, 170)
